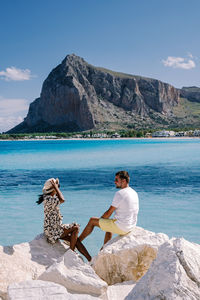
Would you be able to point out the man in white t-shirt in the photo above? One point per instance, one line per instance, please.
(125, 205)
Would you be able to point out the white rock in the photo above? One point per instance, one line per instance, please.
(119, 291)
(27, 261)
(189, 257)
(128, 257)
(43, 290)
(138, 236)
(175, 274)
(87, 297)
(36, 290)
(3, 295)
(71, 272)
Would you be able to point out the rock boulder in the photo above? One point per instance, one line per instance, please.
(128, 257)
(174, 274)
(43, 290)
(37, 289)
(27, 261)
(71, 272)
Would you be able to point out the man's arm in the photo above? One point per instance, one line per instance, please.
(109, 212)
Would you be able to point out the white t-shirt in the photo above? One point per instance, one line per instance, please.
(127, 207)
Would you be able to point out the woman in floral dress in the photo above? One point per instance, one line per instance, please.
(53, 227)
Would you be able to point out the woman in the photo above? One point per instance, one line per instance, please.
(53, 227)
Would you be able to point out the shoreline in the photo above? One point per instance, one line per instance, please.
(105, 139)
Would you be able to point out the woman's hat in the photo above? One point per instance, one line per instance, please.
(48, 188)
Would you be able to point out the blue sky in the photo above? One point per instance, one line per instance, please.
(152, 38)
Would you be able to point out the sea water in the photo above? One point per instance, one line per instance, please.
(164, 172)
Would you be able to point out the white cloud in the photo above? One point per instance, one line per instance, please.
(190, 55)
(180, 62)
(12, 112)
(15, 74)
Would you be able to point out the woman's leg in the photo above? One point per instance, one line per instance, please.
(74, 237)
(71, 235)
(81, 248)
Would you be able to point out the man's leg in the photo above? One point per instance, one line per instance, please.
(89, 228)
(108, 237)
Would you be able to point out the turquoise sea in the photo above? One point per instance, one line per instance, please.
(165, 173)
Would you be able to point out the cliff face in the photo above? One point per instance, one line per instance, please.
(77, 96)
(191, 93)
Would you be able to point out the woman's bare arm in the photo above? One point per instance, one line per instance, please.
(58, 192)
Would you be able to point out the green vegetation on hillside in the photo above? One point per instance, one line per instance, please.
(186, 116)
(189, 112)
(120, 74)
(131, 133)
(192, 89)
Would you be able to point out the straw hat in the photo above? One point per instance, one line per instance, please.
(48, 188)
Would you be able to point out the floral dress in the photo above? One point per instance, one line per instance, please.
(53, 227)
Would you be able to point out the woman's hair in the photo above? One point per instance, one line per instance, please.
(40, 199)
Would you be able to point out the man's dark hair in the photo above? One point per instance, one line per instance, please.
(123, 175)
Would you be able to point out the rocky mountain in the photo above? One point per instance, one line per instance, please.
(191, 93)
(77, 96)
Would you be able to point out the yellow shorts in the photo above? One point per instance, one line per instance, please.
(109, 225)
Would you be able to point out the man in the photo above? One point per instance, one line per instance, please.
(125, 204)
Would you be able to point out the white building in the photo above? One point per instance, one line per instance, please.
(163, 133)
(196, 132)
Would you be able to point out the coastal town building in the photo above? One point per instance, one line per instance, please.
(196, 132)
(163, 133)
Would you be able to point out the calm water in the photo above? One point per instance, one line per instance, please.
(165, 173)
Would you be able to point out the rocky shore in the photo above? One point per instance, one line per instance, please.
(142, 265)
